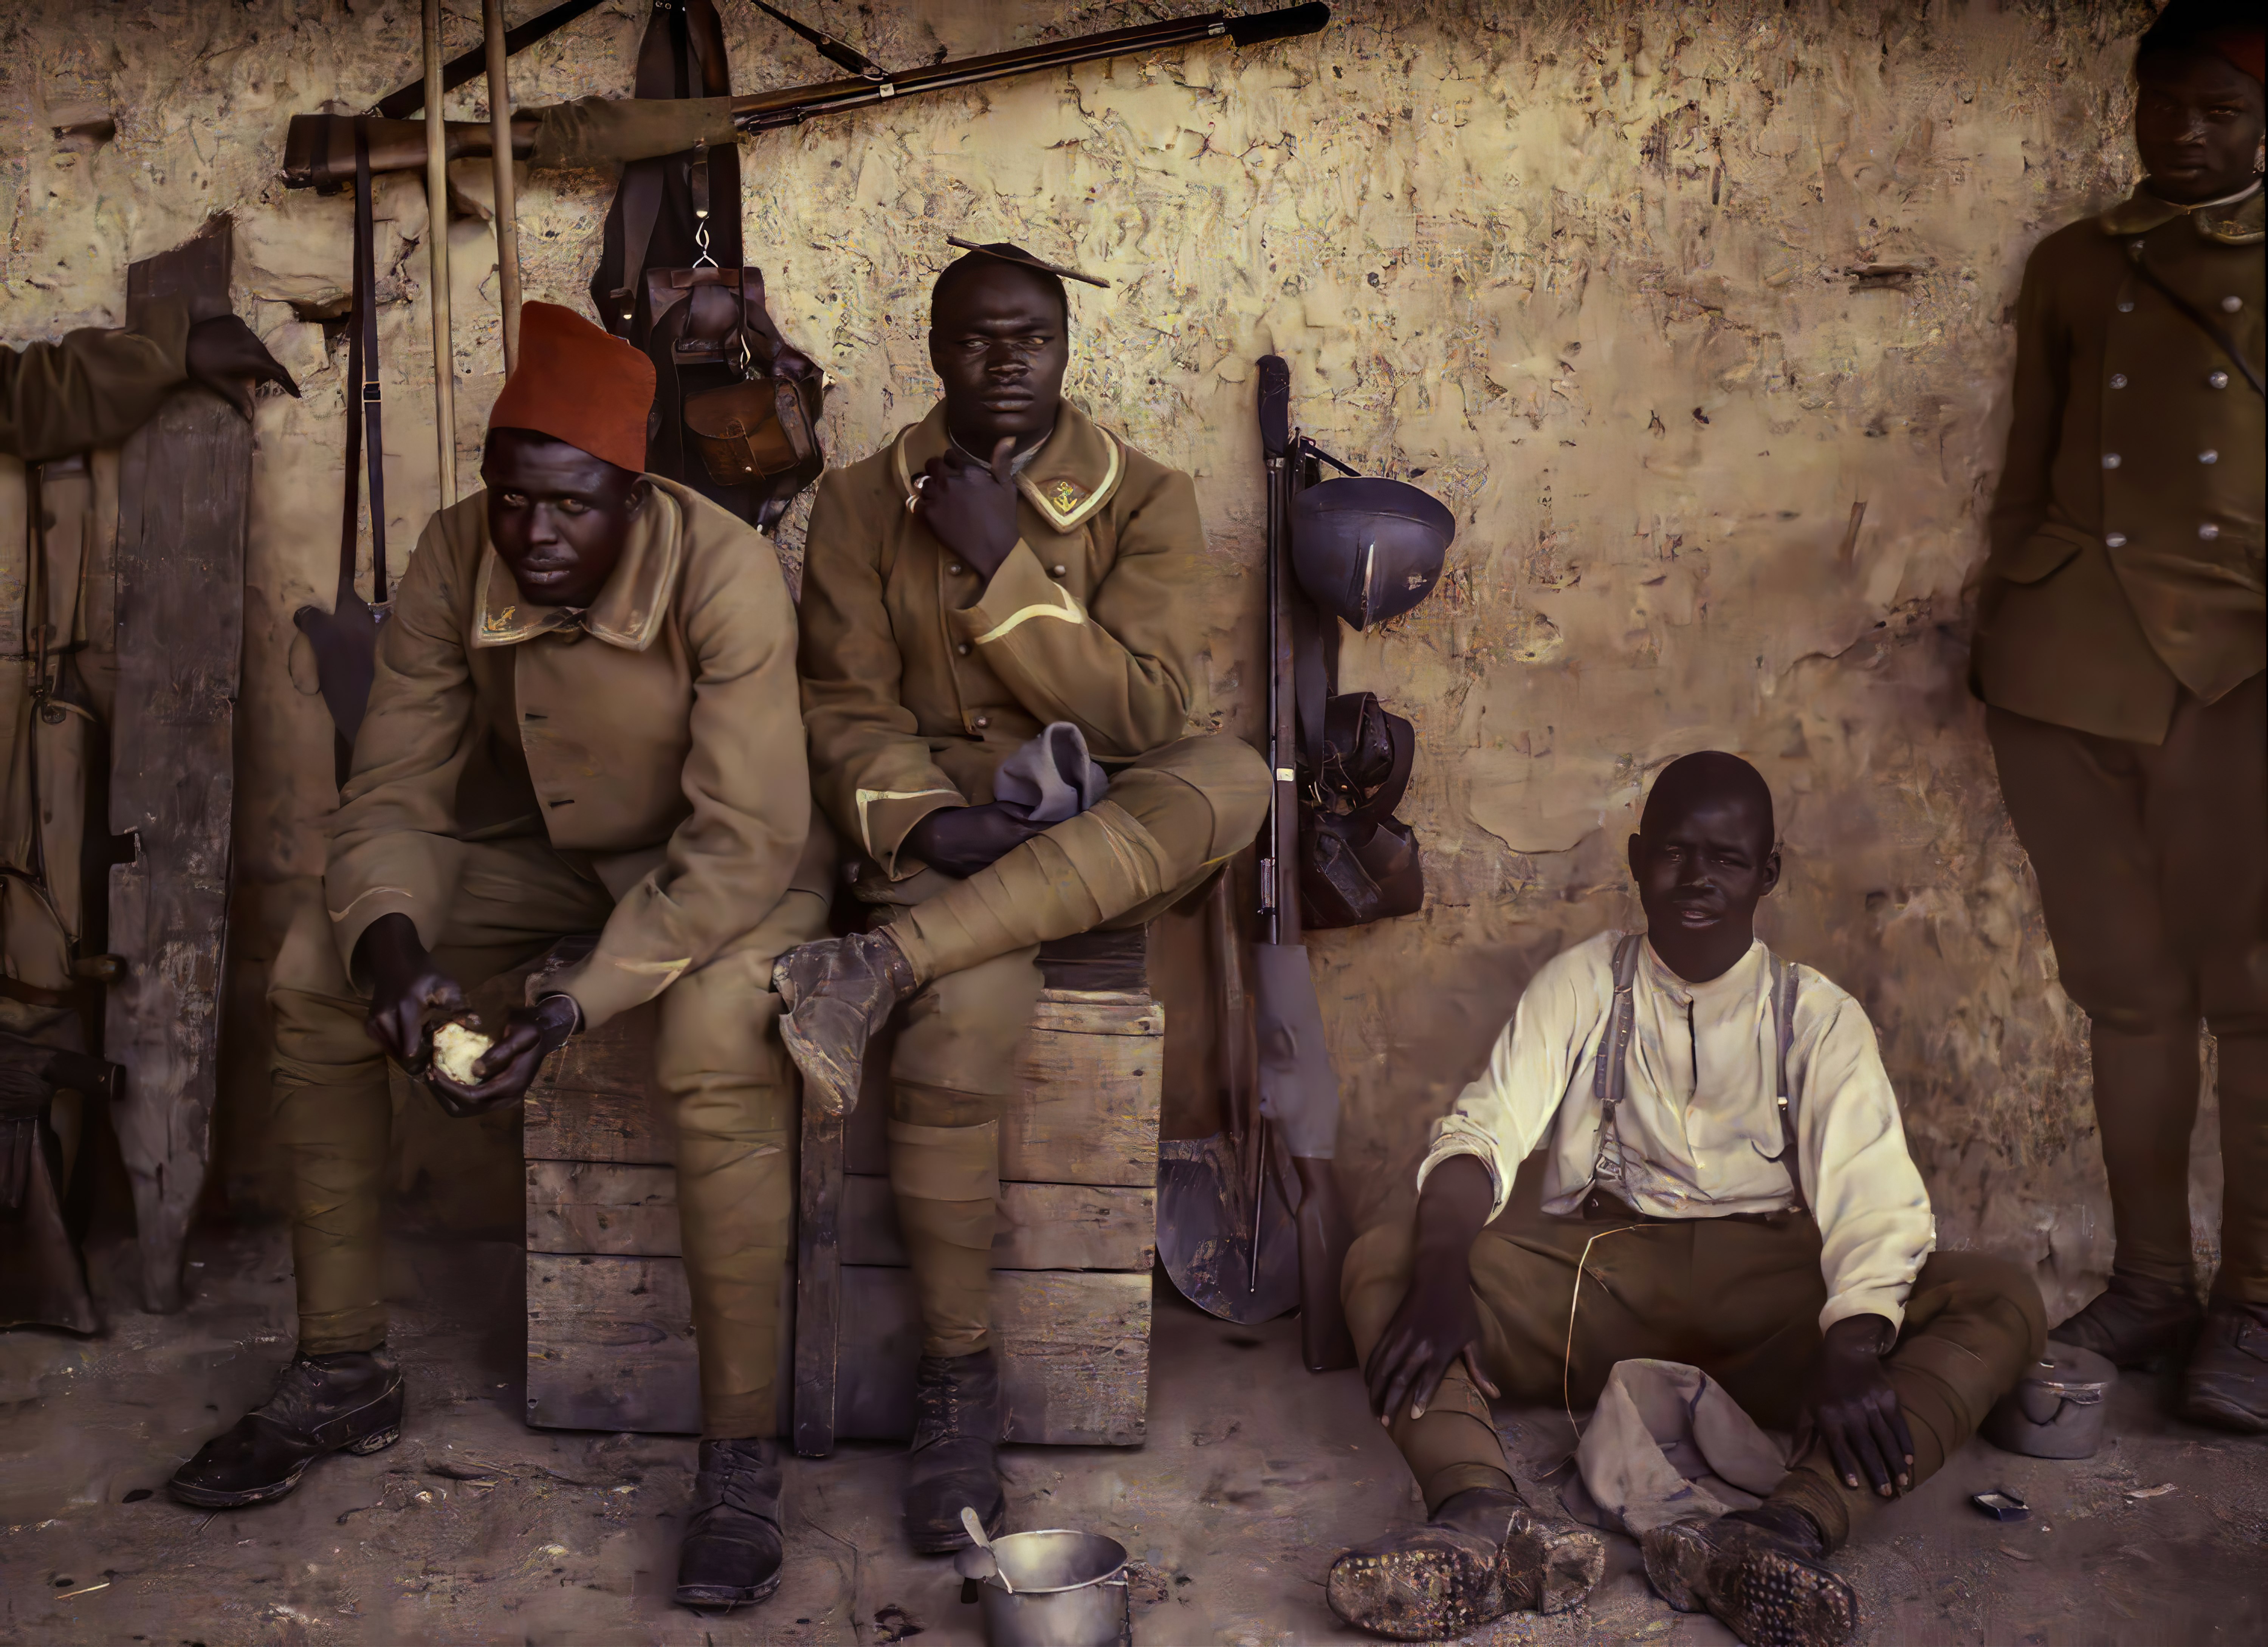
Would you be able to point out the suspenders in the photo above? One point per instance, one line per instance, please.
(1607, 1071)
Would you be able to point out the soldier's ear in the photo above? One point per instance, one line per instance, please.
(641, 489)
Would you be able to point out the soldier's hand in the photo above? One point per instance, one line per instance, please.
(227, 356)
(404, 982)
(1438, 1324)
(1853, 1409)
(970, 507)
(507, 1069)
(961, 840)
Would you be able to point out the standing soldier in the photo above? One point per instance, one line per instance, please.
(1003, 566)
(2120, 645)
(583, 721)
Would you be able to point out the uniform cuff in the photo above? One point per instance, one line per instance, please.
(1449, 1146)
(1020, 592)
(886, 818)
(1889, 1303)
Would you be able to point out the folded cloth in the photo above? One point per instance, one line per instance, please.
(1667, 1444)
(1053, 775)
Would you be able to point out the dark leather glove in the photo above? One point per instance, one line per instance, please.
(227, 356)
(1437, 1323)
(1853, 1409)
(969, 506)
(506, 1071)
(958, 840)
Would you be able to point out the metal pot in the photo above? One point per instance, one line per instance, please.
(2058, 1411)
(1068, 1590)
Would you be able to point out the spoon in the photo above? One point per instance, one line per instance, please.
(976, 1530)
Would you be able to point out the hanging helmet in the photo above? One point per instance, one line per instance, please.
(1368, 549)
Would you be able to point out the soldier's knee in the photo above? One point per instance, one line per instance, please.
(321, 1040)
(1374, 1278)
(1218, 778)
(1993, 1289)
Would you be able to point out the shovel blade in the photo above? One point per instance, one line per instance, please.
(1204, 1233)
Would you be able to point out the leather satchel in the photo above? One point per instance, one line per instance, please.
(760, 422)
(1357, 862)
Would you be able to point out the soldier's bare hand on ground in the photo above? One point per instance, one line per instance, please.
(971, 508)
(507, 1069)
(227, 356)
(404, 983)
(1855, 1411)
(958, 840)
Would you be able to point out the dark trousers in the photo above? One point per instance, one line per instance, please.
(2153, 865)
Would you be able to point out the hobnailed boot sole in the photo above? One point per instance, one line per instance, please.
(210, 1498)
(1431, 1583)
(1770, 1598)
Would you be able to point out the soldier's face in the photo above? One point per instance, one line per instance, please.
(559, 515)
(1700, 871)
(997, 340)
(2198, 121)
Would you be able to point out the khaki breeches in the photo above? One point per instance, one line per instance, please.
(1168, 819)
(1739, 1299)
(718, 1059)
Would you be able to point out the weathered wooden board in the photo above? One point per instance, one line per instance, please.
(602, 1207)
(1042, 1227)
(610, 1345)
(596, 1099)
(1091, 1079)
(184, 482)
(1074, 1354)
(818, 1319)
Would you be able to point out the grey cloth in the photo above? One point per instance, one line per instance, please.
(1053, 775)
(1667, 1444)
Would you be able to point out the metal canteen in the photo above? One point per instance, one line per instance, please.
(1367, 550)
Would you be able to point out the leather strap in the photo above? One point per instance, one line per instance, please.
(1607, 1069)
(2196, 316)
(1789, 1157)
(362, 375)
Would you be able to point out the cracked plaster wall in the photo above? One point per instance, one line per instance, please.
(1655, 296)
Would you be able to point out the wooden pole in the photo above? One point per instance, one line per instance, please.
(437, 208)
(507, 225)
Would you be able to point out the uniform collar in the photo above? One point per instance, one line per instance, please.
(1068, 480)
(1740, 978)
(630, 609)
(2235, 222)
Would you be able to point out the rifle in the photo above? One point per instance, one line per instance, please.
(319, 149)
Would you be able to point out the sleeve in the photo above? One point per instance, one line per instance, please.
(92, 389)
(2042, 362)
(1119, 672)
(398, 808)
(733, 857)
(1502, 1116)
(1875, 1227)
(870, 766)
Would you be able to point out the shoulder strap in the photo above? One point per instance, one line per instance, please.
(362, 372)
(2196, 316)
(1609, 1067)
(1783, 983)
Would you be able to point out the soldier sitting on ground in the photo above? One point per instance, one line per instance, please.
(1781, 1243)
(1004, 564)
(584, 722)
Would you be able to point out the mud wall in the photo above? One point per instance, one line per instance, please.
(1698, 316)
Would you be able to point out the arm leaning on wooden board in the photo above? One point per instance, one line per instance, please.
(93, 388)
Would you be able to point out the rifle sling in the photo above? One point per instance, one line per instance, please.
(400, 105)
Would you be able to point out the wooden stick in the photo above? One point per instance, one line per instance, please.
(507, 225)
(437, 230)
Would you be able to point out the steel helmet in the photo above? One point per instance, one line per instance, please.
(1368, 549)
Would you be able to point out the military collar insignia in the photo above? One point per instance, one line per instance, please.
(628, 611)
(2235, 222)
(1068, 481)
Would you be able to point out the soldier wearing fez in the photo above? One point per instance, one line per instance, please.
(1004, 564)
(1783, 1244)
(584, 722)
(2120, 642)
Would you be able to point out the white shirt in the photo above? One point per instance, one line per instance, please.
(1700, 1112)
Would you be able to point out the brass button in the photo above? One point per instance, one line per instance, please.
(2208, 531)
(2118, 380)
(2116, 540)
(2208, 457)
(955, 568)
(2110, 459)
(962, 649)
(2218, 379)
(1054, 571)
(2126, 306)
(983, 721)
(2231, 305)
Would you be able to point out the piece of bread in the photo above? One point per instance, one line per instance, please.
(456, 1047)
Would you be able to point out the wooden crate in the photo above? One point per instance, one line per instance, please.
(609, 1323)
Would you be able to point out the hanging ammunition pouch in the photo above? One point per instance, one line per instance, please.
(1357, 862)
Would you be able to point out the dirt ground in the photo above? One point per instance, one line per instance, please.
(477, 1530)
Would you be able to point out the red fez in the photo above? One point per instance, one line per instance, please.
(579, 384)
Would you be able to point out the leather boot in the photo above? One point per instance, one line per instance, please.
(2226, 1383)
(956, 1451)
(730, 1555)
(1761, 1572)
(1483, 1554)
(838, 992)
(346, 1402)
(2134, 1321)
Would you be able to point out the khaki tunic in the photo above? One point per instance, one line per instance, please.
(2126, 560)
(920, 677)
(652, 739)
(92, 389)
